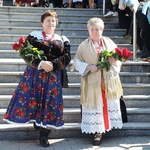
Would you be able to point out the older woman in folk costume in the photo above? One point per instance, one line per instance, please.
(100, 90)
(38, 96)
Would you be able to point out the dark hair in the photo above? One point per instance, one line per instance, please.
(49, 13)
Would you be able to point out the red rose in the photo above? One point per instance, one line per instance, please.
(15, 46)
(22, 39)
(119, 51)
(126, 53)
(21, 45)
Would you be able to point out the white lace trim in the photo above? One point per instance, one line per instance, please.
(31, 121)
(92, 119)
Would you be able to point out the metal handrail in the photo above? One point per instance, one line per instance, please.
(134, 35)
(104, 7)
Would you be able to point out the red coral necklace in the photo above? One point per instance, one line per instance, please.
(98, 47)
(46, 37)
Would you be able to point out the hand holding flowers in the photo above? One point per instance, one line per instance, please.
(104, 58)
(27, 51)
(118, 54)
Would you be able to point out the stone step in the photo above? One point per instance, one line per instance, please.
(19, 65)
(62, 24)
(74, 77)
(70, 101)
(9, 53)
(73, 39)
(135, 66)
(135, 77)
(27, 132)
(137, 101)
(40, 10)
(8, 45)
(74, 88)
(70, 115)
(60, 31)
(73, 101)
(34, 13)
(74, 115)
(36, 16)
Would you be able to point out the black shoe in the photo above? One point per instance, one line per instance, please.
(44, 142)
(44, 137)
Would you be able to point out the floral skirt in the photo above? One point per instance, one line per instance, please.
(38, 98)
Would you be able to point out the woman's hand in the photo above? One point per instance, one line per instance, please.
(47, 66)
(112, 61)
(92, 68)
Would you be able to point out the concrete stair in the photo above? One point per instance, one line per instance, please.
(135, 76)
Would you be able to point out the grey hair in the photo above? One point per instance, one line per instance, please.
(95, 21)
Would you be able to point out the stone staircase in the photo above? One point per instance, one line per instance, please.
(135, 76)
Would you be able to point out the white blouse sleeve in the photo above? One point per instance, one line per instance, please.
(117, 68)
(80, 66)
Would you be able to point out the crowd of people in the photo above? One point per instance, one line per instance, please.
(125, 14)
(71, 3)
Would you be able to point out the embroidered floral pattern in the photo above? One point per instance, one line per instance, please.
(37, 100)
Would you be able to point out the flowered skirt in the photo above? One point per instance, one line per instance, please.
(38, 98)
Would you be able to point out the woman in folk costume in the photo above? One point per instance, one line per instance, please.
(100, 90)
(38, 96)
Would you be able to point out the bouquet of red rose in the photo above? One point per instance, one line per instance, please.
(27, 51)
(119, 54)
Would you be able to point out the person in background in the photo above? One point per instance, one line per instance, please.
(143, 20)
(111, 4)
(100, 90)
(78, 3)
(27, 2)
(1, 2)
(142, 10)
(70, 3)
(38, 96)
(100, 3)
(125, 17)
(91, 4)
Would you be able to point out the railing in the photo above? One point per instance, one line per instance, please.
(134, 35)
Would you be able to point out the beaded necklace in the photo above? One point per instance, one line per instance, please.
(47, 38)
(98, 46)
